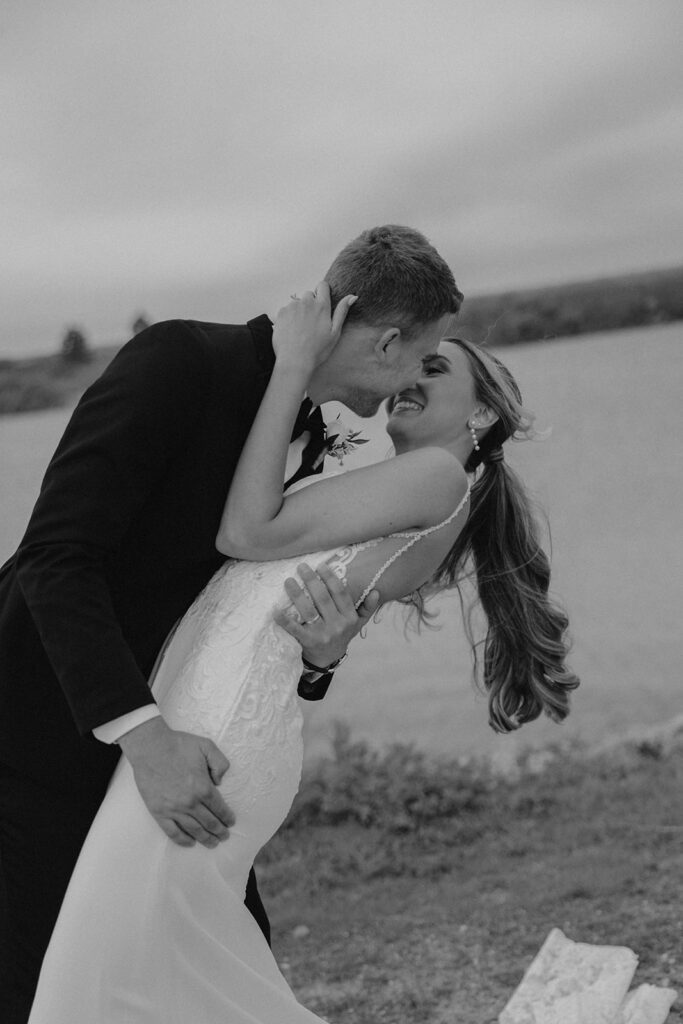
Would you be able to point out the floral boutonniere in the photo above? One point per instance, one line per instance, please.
(340, 441)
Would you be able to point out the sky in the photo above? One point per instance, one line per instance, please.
(206, 158)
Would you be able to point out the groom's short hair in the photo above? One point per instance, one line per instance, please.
(398, 276)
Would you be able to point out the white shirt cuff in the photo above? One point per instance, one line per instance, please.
(111, 732)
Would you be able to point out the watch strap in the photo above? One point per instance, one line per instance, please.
(323, 670)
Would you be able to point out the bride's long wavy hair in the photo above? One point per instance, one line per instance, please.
(522, 665)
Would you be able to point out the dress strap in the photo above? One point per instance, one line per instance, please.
(414, 536)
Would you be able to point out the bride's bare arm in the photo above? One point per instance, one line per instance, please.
(303, 335)
(414, 490)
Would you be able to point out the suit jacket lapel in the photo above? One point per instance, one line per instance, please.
(316, 425)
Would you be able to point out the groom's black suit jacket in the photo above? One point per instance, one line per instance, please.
(121, 540)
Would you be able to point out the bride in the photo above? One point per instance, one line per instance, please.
(154, 933)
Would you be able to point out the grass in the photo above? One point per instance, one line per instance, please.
(435, 920)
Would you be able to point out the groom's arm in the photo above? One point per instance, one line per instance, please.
(115, 450)
(314, 685)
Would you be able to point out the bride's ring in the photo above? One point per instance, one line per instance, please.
(294, 296)
(307, 622)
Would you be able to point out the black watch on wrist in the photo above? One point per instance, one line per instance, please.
(323, 670)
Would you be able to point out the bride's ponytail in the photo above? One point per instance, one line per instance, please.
(525, 646)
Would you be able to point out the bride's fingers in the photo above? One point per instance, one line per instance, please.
(340, 313)
(322, 294)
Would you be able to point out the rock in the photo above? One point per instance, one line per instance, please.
(577, 983)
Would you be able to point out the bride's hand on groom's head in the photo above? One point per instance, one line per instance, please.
(322, 616)
(306, 330)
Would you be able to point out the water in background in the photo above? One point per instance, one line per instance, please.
(611, 479)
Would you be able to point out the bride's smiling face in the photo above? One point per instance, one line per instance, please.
(437, 408)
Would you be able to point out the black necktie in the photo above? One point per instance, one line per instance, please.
(309, 419)
(302, 417)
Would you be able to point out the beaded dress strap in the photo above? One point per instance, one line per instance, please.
(414, 537)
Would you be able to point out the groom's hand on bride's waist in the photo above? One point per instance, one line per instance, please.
(177, 774)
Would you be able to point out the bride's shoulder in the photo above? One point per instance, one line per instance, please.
(435, 463)
(436, 474)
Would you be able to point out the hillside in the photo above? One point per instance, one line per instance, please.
(46, 382)
(583, 307)
(504, 318)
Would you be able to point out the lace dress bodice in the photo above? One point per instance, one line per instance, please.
(231, 673)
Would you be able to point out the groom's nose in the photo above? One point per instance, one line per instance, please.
(419, 370)
(409, 380)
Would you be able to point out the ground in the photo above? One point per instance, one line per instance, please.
(436, 926)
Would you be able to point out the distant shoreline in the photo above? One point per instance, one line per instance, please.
(580, 307)
(504, 318)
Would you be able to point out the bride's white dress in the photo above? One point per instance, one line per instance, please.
(154, 933)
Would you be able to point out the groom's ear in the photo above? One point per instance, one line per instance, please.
(387, 343)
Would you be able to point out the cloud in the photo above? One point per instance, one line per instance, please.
(162, 150)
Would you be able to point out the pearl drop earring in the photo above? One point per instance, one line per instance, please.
(475, 442)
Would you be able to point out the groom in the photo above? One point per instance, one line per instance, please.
(121, 541)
